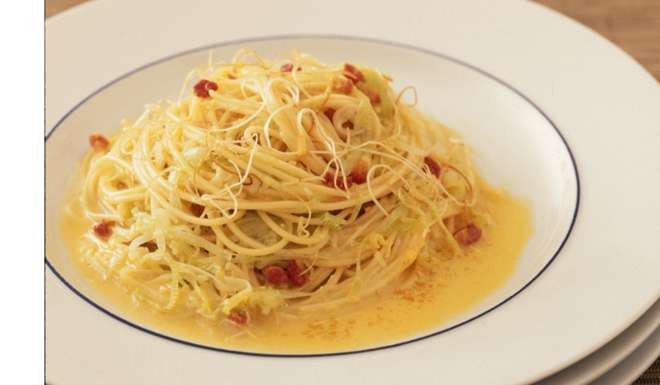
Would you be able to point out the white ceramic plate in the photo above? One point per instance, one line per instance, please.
(634, 365)
(494, 118)
(527, 69)
(612, 354)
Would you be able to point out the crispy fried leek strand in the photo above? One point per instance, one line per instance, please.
(254, 156)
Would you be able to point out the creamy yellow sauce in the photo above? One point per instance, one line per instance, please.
(458, 284)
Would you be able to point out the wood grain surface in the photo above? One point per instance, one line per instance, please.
(633, 25)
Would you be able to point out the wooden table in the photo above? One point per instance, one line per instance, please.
(633, 25)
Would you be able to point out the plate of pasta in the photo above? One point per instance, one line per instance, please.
(306, 200)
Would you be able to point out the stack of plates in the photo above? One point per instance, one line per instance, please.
(554, 112)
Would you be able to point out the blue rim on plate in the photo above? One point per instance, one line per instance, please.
(337, 37)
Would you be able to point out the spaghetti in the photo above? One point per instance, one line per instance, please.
(276, 187)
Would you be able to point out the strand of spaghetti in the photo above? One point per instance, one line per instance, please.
(319, 235)
(254, 252)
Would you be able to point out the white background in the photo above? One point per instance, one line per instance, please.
(21, 178)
